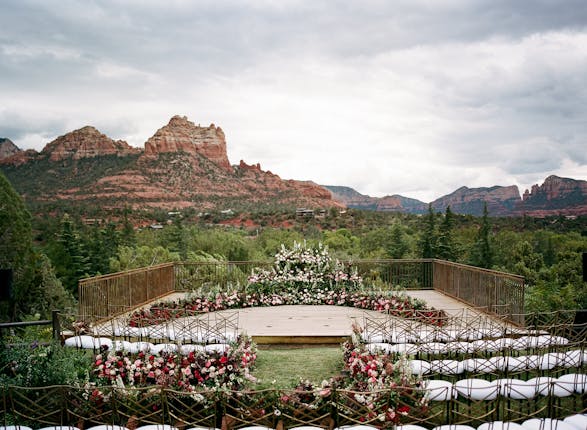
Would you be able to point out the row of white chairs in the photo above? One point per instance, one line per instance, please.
(466, 347)
(573, 422)
(97, 343)
(517, 389)
(548, 361)
(427, 333)
(196, 335)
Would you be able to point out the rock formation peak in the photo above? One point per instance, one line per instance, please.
(182, 135)
(7, 148)
(86, 142)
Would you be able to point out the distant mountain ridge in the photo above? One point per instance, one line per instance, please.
(501, 201)
(556, 196)
(396, 203)
(183, 165)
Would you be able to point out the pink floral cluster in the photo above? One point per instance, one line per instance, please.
(369, 375)
(226, 371)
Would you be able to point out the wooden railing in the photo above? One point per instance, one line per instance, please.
(408, 274)
(108, 295)
(495, 292)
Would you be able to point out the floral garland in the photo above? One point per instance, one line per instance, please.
(225, 371)
(394, 304)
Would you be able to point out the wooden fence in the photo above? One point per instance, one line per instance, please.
(495, 292)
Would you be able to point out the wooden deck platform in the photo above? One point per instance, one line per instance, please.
(315, 324)
(304, 324)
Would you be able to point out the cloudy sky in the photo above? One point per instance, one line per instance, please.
(410, 97)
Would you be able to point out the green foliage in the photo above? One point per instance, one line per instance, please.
(43, 292)
(30, 364)
(141, 256)
(15, 227)
(102, 244)
(271, 239)
(342, 243)
(127, 236)
(35, 288)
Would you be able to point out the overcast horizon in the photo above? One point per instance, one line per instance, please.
(412, 97)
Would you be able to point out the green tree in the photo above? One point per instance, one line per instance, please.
(397, 246)
(526, 262)
(429, 239)
(482, 253)
(35, 287)
(69, 256)
(177, 237)
(447, 248)
(342, 243)
(101, 245)
(127, 236)
(15, 227)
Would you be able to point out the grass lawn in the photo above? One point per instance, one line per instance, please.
(286, 366)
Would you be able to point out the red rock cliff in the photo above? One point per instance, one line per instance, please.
(182, 135)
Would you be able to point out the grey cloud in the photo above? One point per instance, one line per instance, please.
(15, 126)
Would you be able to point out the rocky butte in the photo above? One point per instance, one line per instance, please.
(182, 165)
(182, 135)
(556, 196)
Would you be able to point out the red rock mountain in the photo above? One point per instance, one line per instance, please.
(395, 203)
(500, 200)
(556, 196)
(182, 166)
(185, 165)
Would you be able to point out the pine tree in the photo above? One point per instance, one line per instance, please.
(447, 249)
(397, 246)
(429, 240)
(69, 256)
(178, 241)
(482, 254)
